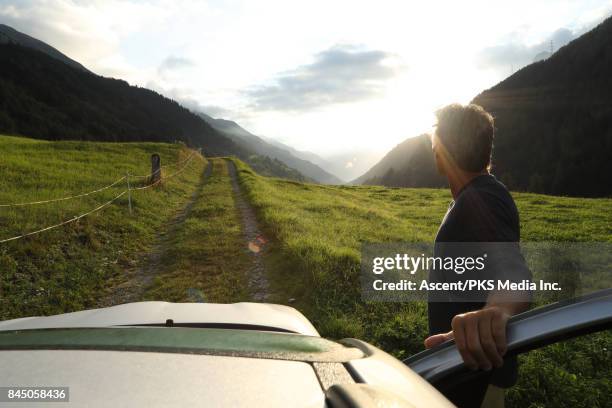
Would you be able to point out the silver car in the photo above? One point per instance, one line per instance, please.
(158, 354)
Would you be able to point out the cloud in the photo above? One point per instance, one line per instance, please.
(214, 111)
(217, 111)
(172, 63)
(341, 74)
(87, 31)
(517, 54)
(111, 37)
(185, 97)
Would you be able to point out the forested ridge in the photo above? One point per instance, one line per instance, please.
(44, 98)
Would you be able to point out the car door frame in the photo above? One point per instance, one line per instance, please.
(443, 366)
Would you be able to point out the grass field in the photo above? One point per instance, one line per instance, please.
(318, 231)
(313, 255)
(68, 268)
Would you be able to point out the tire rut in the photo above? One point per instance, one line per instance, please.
(256, 242)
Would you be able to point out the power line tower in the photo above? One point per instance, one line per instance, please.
(551, 47)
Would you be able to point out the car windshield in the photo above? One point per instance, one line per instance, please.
(247, 343)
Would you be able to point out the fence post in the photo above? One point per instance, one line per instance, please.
(155, 168)
(129, 189)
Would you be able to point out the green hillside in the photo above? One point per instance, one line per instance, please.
(190, 240)
(68, 268)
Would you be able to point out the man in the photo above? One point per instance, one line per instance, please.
(482, 211)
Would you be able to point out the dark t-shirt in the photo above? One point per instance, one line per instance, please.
(483, 212)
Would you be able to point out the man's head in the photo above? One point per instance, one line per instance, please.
(463, 139)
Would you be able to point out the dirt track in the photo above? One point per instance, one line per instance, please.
(141, 278)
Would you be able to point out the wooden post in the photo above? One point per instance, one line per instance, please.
(155, 168)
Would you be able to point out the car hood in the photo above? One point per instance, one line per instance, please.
(260, 316)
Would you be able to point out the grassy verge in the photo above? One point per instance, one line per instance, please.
(68, 268)
(206, 258)
(318, 231)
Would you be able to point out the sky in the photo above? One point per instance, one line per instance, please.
(330, 77)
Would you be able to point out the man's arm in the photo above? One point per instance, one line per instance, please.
(480, 335)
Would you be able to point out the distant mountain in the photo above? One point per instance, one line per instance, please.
(265, 148)
(9, 35)
(301, 154)
(346, 165)
(46, 95)
(409, 164)
(553, 124)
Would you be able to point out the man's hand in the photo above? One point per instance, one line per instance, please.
(480, 337)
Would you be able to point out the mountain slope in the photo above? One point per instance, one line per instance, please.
(409, 164)
(554, 120)
(264, 148)
(553, 124)
(44, 98)
(9, 35)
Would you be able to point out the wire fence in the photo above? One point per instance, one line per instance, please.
(127, 191)
(54, 200)
(68, 221)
